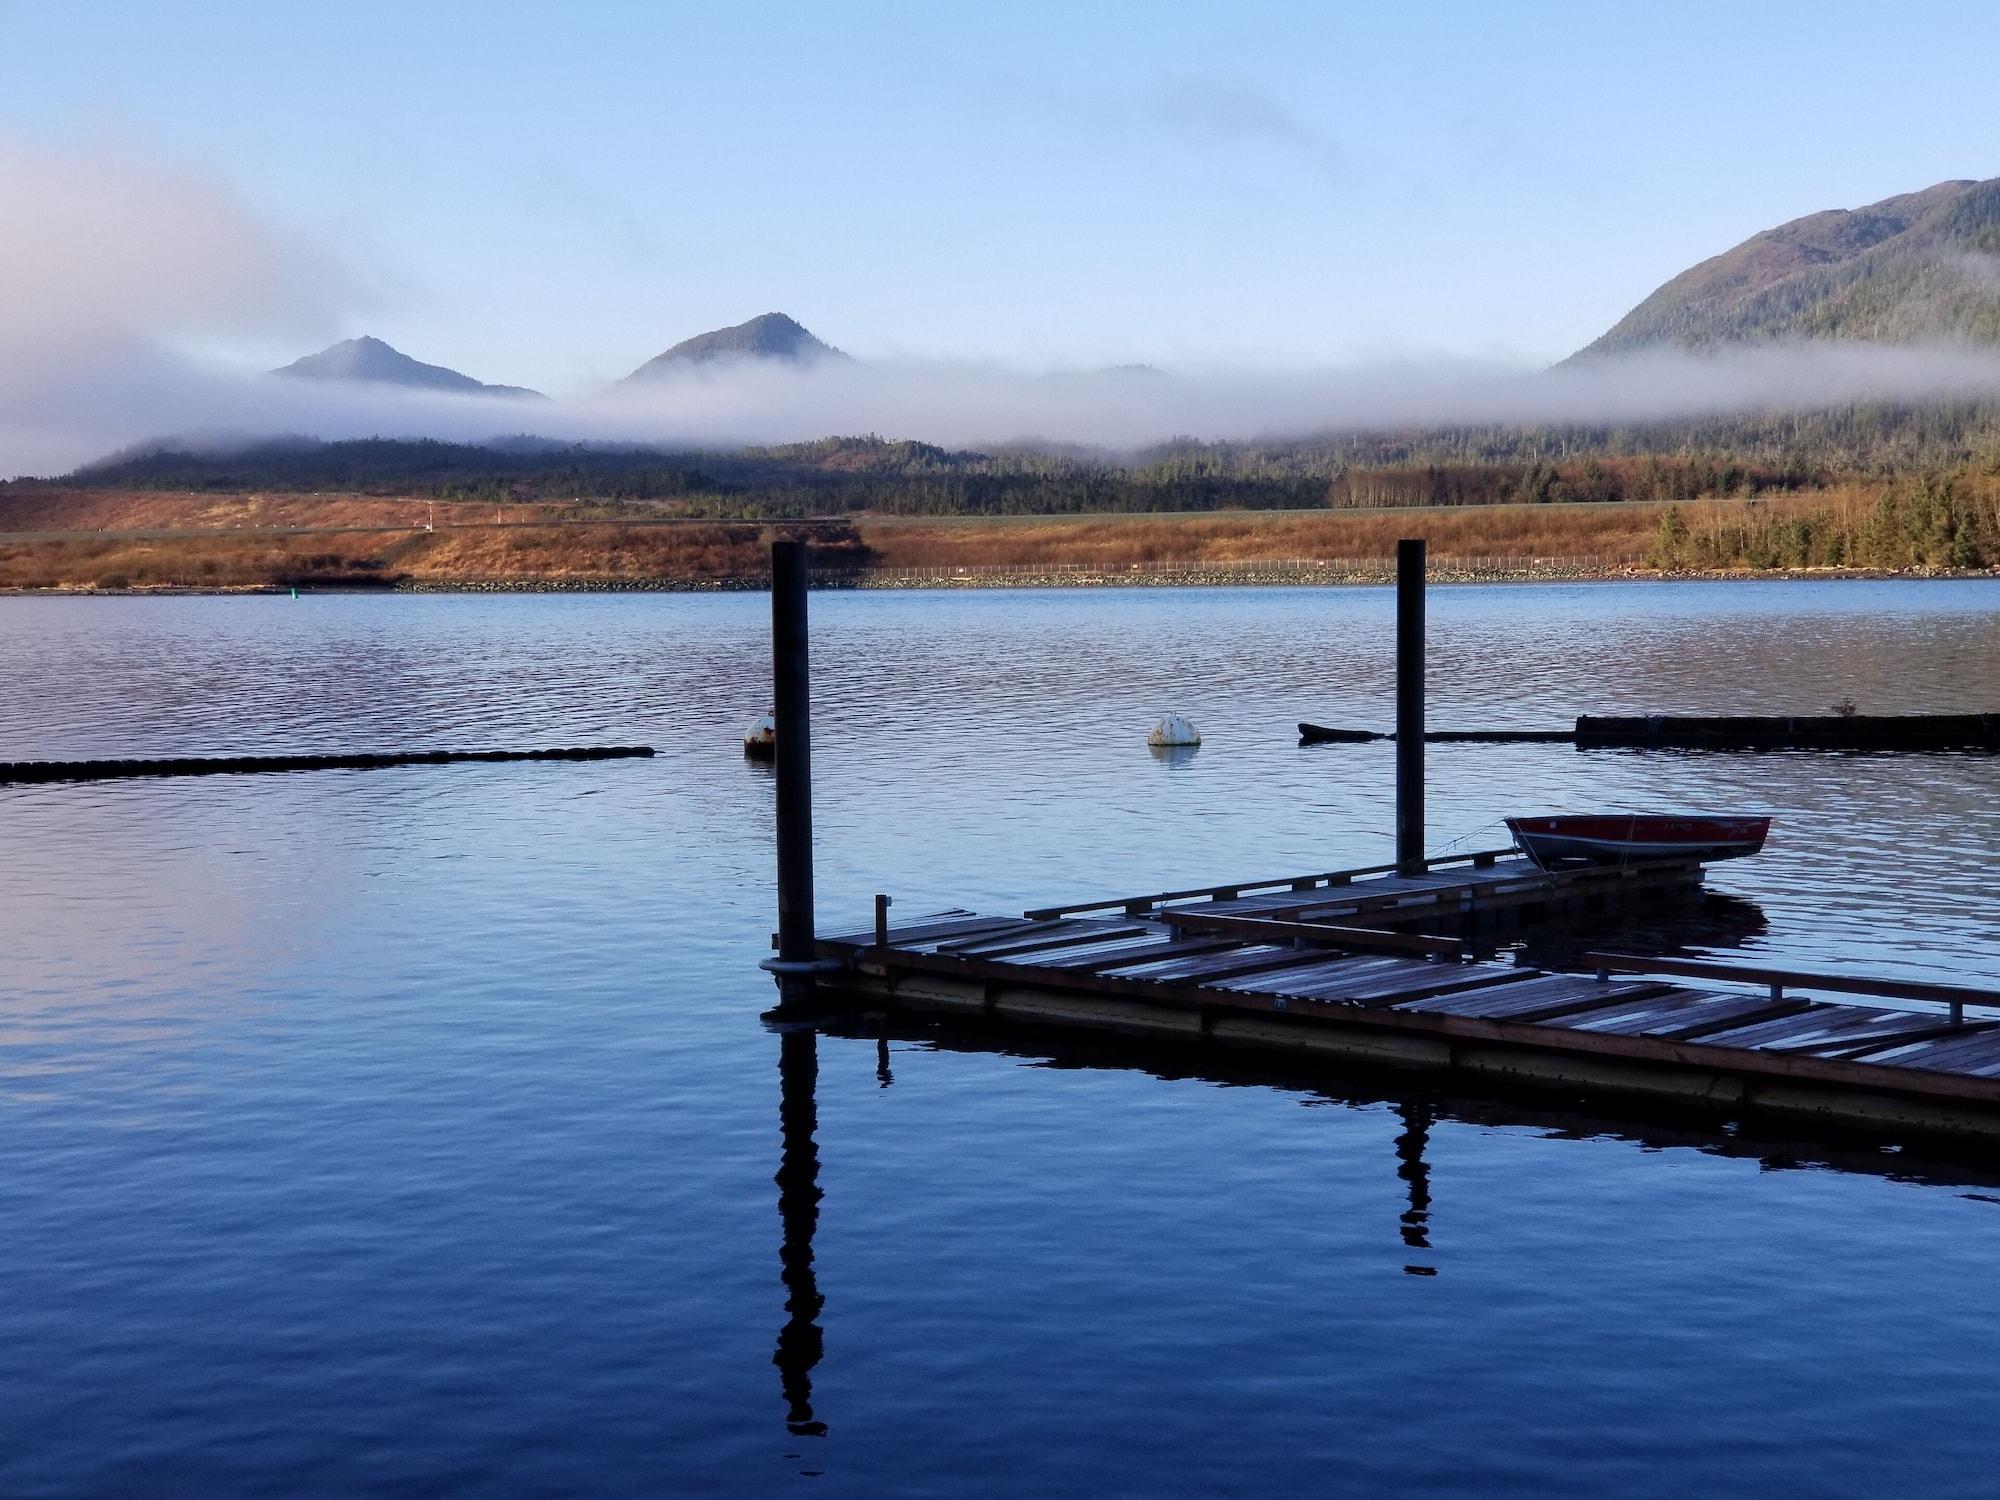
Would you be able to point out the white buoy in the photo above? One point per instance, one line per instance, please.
(1174, 729)
(760, 740)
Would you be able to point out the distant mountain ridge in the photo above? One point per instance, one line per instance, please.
(769, 336)
(1915, 268)
(369, 360)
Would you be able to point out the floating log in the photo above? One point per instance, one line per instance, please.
(214, 765)
(1911, 732)
(1829, 732)
(1321, 734)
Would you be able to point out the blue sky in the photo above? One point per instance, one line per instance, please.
(549, 194)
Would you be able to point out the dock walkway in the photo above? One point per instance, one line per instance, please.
(1284, 965)
(1458, 889)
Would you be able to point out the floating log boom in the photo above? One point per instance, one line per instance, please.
(1904, 732)
(19, 771)
(1828, 732)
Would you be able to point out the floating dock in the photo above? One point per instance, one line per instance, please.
(1469, 892)
(1326, 967)
(1316, 967)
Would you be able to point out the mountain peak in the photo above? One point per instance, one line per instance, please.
(768, 336)
(1922, 266)
(369, 360)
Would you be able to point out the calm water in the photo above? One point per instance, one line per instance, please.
(414, 1131)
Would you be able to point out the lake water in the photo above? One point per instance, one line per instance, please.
(415, 1131)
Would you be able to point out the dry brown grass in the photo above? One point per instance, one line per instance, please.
(218, 563)
(59, 509)
(606, 551)
(1606, 532)
(577, 553)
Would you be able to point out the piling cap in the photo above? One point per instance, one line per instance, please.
(1174, 729)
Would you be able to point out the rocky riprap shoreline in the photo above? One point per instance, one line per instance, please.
(1443, 570)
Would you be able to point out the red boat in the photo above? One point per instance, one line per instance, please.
(1621, 838)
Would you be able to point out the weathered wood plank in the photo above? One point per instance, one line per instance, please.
(940, 924)
(1344, 977)
(1680, 1013)
(1156, 952)
(1977, 1052)
(1241, 960)
(1444, 979)
(1306, 977)
(1830, 1030)
(1329, 933)
(1088, 951)
(1041, 937)
(1530, 995)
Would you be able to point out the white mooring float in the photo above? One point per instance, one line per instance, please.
(760, 740)
(1174, 731)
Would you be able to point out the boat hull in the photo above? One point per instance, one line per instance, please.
(1622, 838)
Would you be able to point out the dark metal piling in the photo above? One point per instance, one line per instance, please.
(791, 697)
(1410, 705)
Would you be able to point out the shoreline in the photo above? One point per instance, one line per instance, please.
(1069, 576)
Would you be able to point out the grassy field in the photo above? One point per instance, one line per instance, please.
(67, 540)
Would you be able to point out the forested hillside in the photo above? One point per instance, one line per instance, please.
(1916, 268)
(1767, 453)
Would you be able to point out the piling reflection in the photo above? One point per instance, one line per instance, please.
(1416, 1174)
(800, 1342)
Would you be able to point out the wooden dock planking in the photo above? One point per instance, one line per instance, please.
(1319, 975)
(1246, 958)
(1449, 893)
(1680, 1014)
(1529, 995)
(1829, 1060)
(1042, 936)
(1158, 953)
(1359, 981)
(1329, 965)
(939, 926)
(1978, 1056)
(1083, 952)
(1836, 1030)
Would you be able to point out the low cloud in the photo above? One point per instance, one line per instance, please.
(99, 249)
(969, 405)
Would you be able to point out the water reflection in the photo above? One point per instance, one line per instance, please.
(1416, 1174)
(1711, 925)
(800, 1342)
(1420, 1106)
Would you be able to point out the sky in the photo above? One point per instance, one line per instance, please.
(549, 194)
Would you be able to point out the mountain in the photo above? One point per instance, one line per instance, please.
(371, 360)
(770, 336)
(1915, 268)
